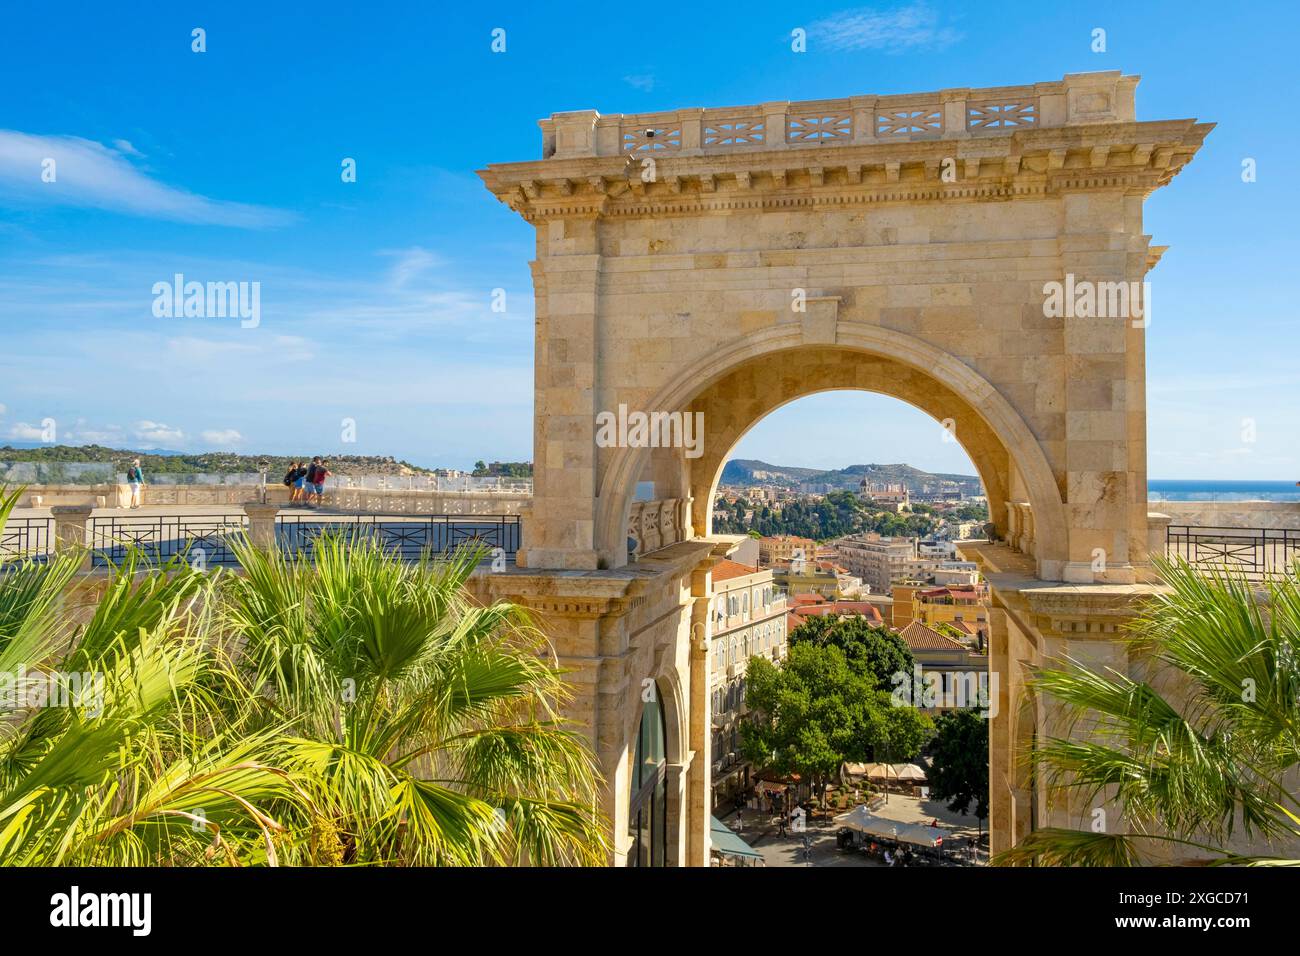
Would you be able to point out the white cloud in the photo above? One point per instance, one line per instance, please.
(157, 433)
(192, 349)
(2, 408)
(292, 348)
(81, 433)
(124, 146)
(892, 30)
(641, 81)
(223, 437)
(91, 174)
(26, 432)
(411, 264)
(93, 436)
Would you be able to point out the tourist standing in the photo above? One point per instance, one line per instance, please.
(300, 482)
(291, 478)
(135, 478)
(316, 476)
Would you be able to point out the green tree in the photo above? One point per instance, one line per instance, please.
(869, 648)
(1211, 748)
(813, 711)
(960, 770)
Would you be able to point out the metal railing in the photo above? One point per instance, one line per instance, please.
(198, 537)
(1255, 553)
(409, 536)
(26, 538)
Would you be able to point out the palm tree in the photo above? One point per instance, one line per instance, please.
(427, 723)
(362, 712)
(1202, 750)
(111, 753)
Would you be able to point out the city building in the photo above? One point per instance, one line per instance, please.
(783, 548)
(747, 618)
(932, 606)
(880, 561)
(961, 667)
(814, 605)
(893, 494)
(811, 577)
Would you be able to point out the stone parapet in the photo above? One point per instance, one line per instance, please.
(1079, 99)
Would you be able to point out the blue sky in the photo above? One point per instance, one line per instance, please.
(376, 295)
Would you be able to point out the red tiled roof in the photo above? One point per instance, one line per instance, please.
(726, 569)
(808, 598)
(846, 608)
(964, 593)
(922, 638)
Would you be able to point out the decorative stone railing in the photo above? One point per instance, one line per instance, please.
(652, 525)
(1020, 526)
(1078, 99)
(421, 502)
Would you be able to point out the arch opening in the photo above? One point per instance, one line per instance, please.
(736, 388)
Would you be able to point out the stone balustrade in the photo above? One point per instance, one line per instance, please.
(964, 113)
(1020, 527)
(652, 525)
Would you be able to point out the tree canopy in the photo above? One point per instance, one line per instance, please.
(869, 648)
(960, 771)
(815, 710)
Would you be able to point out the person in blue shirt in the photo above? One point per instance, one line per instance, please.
(135, 478)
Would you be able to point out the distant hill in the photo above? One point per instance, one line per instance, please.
(159, 462)
(749, 472)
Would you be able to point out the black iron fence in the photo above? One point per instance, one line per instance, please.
(26, 538)
(201, 538)
(207, 538)
(409, 536)
(1254, 553)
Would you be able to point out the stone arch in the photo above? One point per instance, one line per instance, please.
(922, 374)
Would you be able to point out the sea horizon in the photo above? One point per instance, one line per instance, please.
(1189, 489)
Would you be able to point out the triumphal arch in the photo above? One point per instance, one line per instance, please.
(711, 265)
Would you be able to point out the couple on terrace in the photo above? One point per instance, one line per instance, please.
(307, 481)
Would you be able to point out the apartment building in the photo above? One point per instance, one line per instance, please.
(747, 618)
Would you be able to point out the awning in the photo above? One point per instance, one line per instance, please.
(727, 843)
(907, 772)
(865, 822)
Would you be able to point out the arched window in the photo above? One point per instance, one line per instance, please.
(647, 815)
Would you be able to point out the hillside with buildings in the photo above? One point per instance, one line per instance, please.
(75, 460)
(741, 472)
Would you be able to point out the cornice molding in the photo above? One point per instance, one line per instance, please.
(1136, 157)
